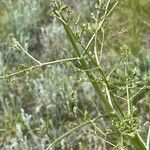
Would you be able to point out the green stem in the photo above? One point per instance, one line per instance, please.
(138, 142)
(73, 130)
(30, 56)
(77, 47)
(38, 66)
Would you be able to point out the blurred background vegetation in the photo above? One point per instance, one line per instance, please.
(38, 108)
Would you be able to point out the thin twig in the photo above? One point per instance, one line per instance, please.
(30, 56)
(74, 129)
(137, 93)
(38, 66)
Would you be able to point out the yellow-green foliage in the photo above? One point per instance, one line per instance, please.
(74, 76)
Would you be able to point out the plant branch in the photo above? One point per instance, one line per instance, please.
(38, 66)
(30, 56)
(74, 129)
